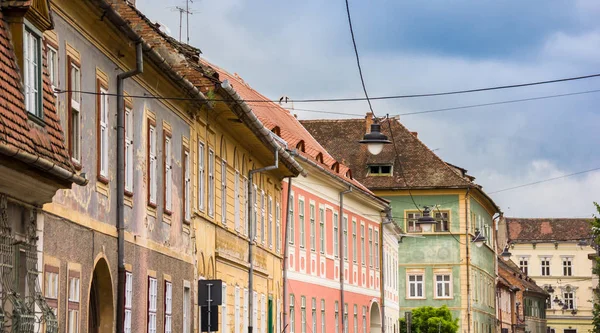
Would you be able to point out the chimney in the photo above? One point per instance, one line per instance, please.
(368, 122)
(416, 134)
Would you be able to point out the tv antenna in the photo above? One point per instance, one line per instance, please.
(187, 13)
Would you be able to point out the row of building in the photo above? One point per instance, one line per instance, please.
(132, 169)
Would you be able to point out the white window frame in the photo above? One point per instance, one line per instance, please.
(337, 317)
(129, 149)
(168, 165)
(187, 186)
(303, 314)
(345, 236)
(376, 247)
(356, 318)
(419, 280)
(278, 227)
(52, 58)
(168, 307)
(255, 310)
(51, 285)
(524, 264)
(442, 286)
(313, 226)
(354, 250)
(187, 314)
(292, 225)
(323, 316)
(32, 71)
(322, 231)
(223, 191)
(567, 263)
(292, 314)
(128, 302)
(571, 301)
(254, 226)
(370, 246)
(152, 304)
(103, 135)
(237, 200)
(314, 315)
(246, 301)
(301, 222)
(75, 112)
(336, 234)
(201, 174)
(224, 316)
(364, 323)
(211, 182)
(362, 244)
(545, 264)
(153, 164)
(270, 221)
(262, 216)
(263, 313)
(236, 319)
(74, 297)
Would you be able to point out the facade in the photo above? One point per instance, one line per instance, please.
(34, 164)
(555, 253)
(331, 250)
(442, 267)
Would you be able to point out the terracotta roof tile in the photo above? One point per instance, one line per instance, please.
(522, 230)
(510, 272)
(419, 167)
(15, 127)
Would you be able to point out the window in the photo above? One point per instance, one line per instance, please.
(345, 317)
(385, 169)
(168, 306)
(301, 221)
(314, 315)
(364, 319)
(103, 129)
(524, 265)
(168, 171)
(376, 249)
(51, 283)
(74, 293)
(32, 73)
(291, 227)
(322, 316)
(302, 314)
(322, 230)
(313, 231)
(362, 244)
(254, 212)
(211, 183)
(345, 237)
(236, 318)
(569, 299)
(152, 163)
(128, 301)
(442, 286)
(246, 225)
(441, 221)
(263, 313)
(411, 220)
(370, 247)
(415, 286)
(354, 240)
(152, 303)
(337, 317)
(336, 235)
(237, 199)
(262, 216)
(545, 263)
(201, 179)
(52, 57)
(292, 315)
(355, 318)
(187, 185)
(278, 227)
(74, 86)
(224, 318)
(255, 310)
(270, 222)
(567, 266)
(129, 150)
(187, 315)
(246, 300)
(223, 191)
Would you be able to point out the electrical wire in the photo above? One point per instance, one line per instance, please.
(544, 181)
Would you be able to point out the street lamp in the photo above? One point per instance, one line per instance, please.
(426, 222)
(505, 254)
(479, 238)
(550, 289)
(375, 139)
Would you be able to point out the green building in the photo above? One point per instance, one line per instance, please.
(451, 264)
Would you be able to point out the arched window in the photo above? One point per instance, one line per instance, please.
(300, 146)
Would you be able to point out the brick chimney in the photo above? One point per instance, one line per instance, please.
(368, 122)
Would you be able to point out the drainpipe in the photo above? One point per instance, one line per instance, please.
(468, 248)
(251, 236)
(139, 68)
(341, 256)
(285, 252)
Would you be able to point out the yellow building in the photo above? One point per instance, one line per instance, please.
(554, 252)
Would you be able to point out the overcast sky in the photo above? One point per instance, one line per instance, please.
(303, 49)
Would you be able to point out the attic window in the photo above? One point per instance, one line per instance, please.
(349, 174)
(300, 146)
(276, 130)
(319, 157)
(380, 170)
(335, 167)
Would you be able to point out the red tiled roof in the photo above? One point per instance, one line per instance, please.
(16, 129)
(511, 273)
(290, 129)
(416, 166)
(521, 230)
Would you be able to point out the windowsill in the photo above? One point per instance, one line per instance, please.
(128, 193)
(128, 199)
(151, 210)
(102, 179)
(168, 212)
(76, 164)
(102, 188)
(415, 298)
(167, 218)
(443, 298)
(36, 119)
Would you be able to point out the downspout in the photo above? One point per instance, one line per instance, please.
(285, 252)
(468, 246)
(139, 68)
(251, 236)
(341, 256)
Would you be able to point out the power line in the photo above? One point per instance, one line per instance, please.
(463, 106)
(544, 181)
(362, 80)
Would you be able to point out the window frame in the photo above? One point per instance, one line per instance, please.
(567, 263)
(416, 283)
(53, 68)
(74, 104)
(151, 163)
(201, 174)
(211, 182)
(412, 216)
(128, 304)
(168, 310)
(270, 221)
(129, 149)
(223, 190)
(545, 264)
(278, 226)
(378, 169)
(362, 244)
(186, 184)
(38, 99)
(524, 264)
(292, 314)
(152, 305)
(292, 226)
(322, 230)
(167, 184)
(354, 244)
(301, 222)
(336, 235)
(102, 131)
(345, 236)
(313, 226)
(445, 285)
(303, 314)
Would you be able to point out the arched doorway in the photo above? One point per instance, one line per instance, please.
(101, 308)
(375, 318)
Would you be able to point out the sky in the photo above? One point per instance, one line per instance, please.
(303, 49)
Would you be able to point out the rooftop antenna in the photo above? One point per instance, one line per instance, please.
(187, 12)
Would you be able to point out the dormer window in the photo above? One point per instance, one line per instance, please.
(32, 71)
(380, 170)
(300, 146)
(319, 157)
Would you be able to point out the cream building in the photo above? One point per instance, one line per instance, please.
(554, 252)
